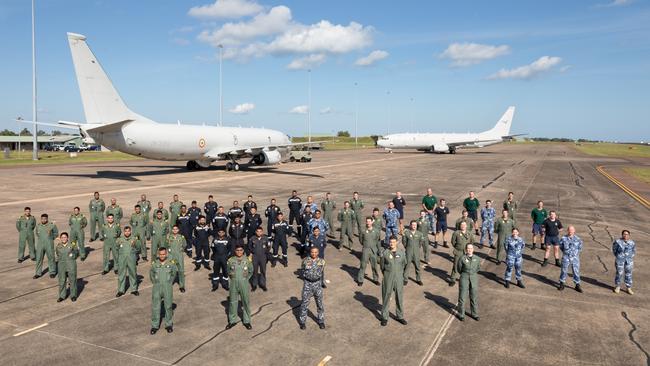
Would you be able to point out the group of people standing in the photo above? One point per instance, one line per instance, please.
(239, 247)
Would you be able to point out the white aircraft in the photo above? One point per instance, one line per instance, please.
(111, 123)
(449, 142)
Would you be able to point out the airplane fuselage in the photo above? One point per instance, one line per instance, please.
(438, 142)
(173, 142)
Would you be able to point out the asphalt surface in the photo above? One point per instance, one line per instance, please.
(534, 326)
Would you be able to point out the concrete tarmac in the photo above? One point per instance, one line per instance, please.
(538, 325)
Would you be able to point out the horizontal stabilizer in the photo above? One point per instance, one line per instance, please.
(107, 127)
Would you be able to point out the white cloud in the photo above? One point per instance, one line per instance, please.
(274, 32)
(465, 54)
(226, 9)
(308, 62)
(373, 57)
(301, 109)
(615, 3)
(326, 110)
(243, 108)
(277, 20)
(541, 65)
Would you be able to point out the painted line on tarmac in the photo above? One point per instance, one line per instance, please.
(104, 347)
(202, 181)
(449, 321)
(325, 360)
(644, 202)
(31, 329)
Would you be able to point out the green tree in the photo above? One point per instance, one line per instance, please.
(7, 132)
(25, 132)
(56, 133)
(41, 133)
(343, 134)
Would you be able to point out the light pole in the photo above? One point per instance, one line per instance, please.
(412, 115)
(309, 105)
(389, 110)
(356, 115)
(220, 85)
(34, 117)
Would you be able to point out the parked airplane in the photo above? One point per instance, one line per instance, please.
(111, 123)
(449, 142)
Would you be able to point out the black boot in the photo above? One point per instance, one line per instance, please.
(561, 286)
(520, 283)
(545, 262)
(197, 266)
(557, 262)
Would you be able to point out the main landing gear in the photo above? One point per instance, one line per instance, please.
(232, 166)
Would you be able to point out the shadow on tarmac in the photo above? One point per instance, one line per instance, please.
(133, 176)
(369, 302)
(441, 301)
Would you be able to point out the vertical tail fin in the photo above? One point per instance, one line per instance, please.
(502, 128)
(101, 102)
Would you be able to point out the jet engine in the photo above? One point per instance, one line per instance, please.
(440, 148)
(270, 157)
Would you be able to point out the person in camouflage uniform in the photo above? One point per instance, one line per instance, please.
(488, 213)
(66, 264)
(571, 246)
(391, 216)
(313, 275)
(25, 225)
(514, 246)
(624, 250)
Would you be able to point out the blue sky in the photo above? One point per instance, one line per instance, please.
(572, 68)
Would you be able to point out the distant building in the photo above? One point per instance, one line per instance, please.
(11, 142)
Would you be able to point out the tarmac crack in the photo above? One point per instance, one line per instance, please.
(602, 263)
(633, 340)
(215, 336)
(591, 233)
(493, 180)
(275, 320)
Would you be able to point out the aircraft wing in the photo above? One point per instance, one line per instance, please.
(240, 151)
(468, 142)
(511, 137)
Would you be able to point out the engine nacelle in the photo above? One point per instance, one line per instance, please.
(270, 157)
(441, 148)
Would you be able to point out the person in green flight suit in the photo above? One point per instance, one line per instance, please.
(459, 241)
(503, 227)
(162, 275)
(174, 210)
(145, 205)
(468, 267)
(96, 207)
(110, 232)
(175, 244)
(357, 206)
(25, 226)
(392, 262)
(240, 271)
(370, 242)
(347, 218)
(327, 207)
(412, 240)
(127, 249)
(66, 264)
(140, 224)
(78, 223)
(115, 210)
(158, 231)
(46, 232)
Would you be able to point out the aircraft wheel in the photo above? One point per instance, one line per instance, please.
(229, 166)
(235, 167)
(192, 165)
